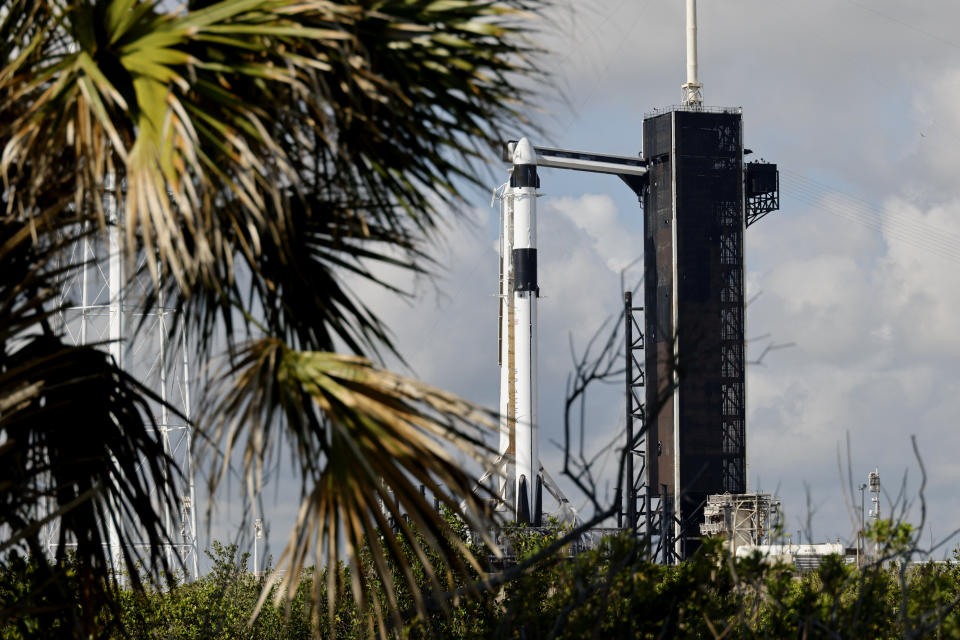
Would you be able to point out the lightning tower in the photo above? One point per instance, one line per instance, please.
(99, 305)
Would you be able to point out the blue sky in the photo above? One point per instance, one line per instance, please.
(856, 102)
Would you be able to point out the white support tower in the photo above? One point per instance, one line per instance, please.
(873, 480)
(100, 307)
(257, 537)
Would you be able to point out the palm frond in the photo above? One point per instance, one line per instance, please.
(79, 453)
(225, 121)
(364, 439)
(262, 149)
(79, 448)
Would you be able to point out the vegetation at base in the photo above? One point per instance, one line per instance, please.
(610, 591)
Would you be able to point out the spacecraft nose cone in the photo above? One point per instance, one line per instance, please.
(524, 153)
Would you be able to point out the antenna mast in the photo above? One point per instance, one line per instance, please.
(692, 89)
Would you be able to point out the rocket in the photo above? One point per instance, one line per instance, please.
(520, 484)
(521, 478)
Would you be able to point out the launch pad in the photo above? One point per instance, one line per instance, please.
(688, 432)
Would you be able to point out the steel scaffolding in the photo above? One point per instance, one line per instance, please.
(99, 305)
(649, 514)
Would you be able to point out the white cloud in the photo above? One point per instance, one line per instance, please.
(876, 346)
(597, 217)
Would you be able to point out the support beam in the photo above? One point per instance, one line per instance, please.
(582, 160)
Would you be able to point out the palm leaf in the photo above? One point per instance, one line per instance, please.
(364, 439)
(79, 448)
(264, 148)
(225, 118)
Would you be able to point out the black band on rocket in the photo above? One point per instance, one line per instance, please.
(525, 270)
(524, 175)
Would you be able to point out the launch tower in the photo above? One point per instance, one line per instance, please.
(689, 431)
(700, 198)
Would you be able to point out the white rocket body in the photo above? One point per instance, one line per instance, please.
(523, 193)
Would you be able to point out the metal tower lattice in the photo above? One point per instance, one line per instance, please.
(649, 513)
(98, 306)
(636, 418)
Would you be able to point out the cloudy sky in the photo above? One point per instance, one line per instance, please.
(857, 103)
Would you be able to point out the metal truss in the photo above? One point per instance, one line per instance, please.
(732, 361)
(763, 190)
(636, 418)
(648, 514)
(98, 306)
(742, 519)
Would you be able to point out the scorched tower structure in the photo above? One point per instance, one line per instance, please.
(699, 200)
(686, 408)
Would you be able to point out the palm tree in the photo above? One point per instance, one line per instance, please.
(265, 148)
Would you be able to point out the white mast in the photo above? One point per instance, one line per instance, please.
(115, 327)
(692, 89)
